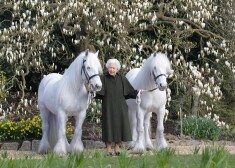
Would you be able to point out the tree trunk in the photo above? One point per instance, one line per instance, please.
(195, 105)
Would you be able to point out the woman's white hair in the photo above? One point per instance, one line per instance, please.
(113, 61)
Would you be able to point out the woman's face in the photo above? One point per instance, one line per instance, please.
(112, 69)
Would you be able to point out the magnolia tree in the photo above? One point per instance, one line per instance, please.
(197, 35)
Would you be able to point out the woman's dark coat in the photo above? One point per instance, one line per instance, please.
(115, 120)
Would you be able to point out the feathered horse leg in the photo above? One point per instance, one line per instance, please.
(147, 130)
(139, 145)
(44, 143)
(133, 125)
(161, 141)
(62, 143)
(76, 144)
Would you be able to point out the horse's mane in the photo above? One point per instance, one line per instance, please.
(72, 76)
(156, 59)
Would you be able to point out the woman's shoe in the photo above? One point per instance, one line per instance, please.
(110, 153)
(117, 149)
(117, 153)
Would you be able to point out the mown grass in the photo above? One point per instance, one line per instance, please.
(211, 157)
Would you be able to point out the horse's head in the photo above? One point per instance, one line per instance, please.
(91, 70)
(160, 70)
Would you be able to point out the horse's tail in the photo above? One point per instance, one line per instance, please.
(47, 117)
(52, 131)
(41, 89)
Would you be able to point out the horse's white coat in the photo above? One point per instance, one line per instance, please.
(60, 96)
(147, 78)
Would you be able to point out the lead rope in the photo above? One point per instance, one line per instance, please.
(138, 99)
(90, 94)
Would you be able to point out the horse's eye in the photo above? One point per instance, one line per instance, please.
(88, 68)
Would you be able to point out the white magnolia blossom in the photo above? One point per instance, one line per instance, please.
(123, 28)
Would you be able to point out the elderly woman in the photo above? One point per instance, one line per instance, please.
(115, 122)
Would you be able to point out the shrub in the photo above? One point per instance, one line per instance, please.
(202, 127)
(94, 111)
(214, 157)
(9, 130)
(25, 129)
(31, 128)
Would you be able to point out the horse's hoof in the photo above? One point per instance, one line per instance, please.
(43, 148)
(130, 145)
(77, 151)
(138, 149)
(60, 151)
(60, 154)
(149, 146)
(160, 147)
(42, 151)
(77, 147)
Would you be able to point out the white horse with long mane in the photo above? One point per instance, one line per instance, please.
(60, 96)
(152, 78)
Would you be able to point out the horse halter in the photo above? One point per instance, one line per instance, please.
(155, 77)
(88, 78)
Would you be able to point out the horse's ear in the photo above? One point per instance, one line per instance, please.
(154, 54)
(86, 52)
(97, 53)
(170, 72)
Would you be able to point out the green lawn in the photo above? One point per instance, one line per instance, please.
(164, 159)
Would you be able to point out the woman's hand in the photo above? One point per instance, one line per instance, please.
(140, 91)
(88, 87)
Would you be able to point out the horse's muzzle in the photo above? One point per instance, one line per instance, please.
(162, 87)
(96, 87)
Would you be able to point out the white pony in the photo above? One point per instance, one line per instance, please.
(152, 78)
(60, 96)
